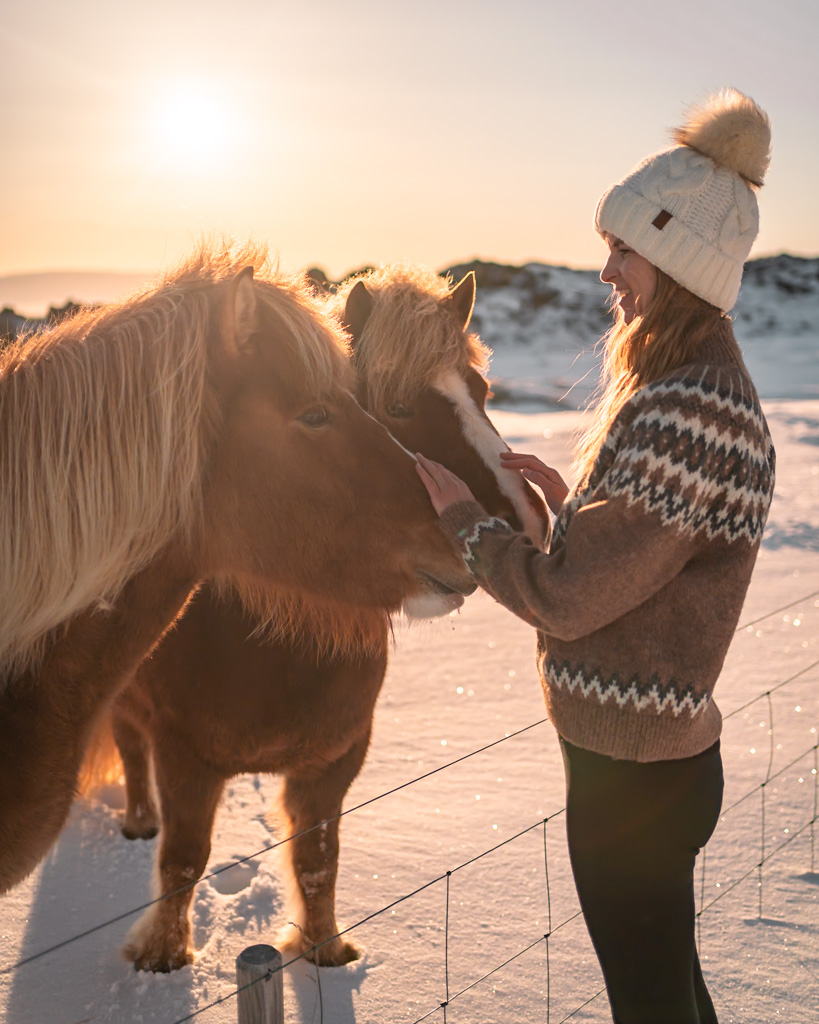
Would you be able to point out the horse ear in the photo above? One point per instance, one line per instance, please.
(462, 299)
(239, 312)
(357, 311)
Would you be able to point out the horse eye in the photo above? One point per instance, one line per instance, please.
(316, 417)
(399, 411)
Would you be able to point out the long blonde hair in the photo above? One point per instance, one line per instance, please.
(670, 334)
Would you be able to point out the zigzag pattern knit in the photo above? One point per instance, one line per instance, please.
(638, 598)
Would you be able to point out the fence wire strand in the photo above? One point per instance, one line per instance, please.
(755, 867)
(260, 853)
(577, 1009)
(483, 978)
(773, 689)
(750, 793)
(776, 611)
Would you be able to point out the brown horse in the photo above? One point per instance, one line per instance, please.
(203, 429)
(213, 701)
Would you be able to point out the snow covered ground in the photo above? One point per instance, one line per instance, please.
(455, 686)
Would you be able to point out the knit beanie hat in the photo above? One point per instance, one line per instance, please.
(691, 210)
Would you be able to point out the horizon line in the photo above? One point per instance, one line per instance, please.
(147, 274)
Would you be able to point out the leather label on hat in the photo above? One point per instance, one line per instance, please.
(662, 218)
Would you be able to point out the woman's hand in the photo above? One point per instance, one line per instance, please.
(444, 487)
(547, 479)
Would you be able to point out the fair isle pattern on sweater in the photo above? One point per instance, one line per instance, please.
(470, 538)
(638, 598)
(695, 454)
(698, 453)
(652, 696)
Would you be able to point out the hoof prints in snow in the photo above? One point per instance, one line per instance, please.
(234, 878)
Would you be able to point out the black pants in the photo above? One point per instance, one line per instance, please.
(634, 832)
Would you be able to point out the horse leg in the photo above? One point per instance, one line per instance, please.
(312, 859)
(141, 819)
(189, 793)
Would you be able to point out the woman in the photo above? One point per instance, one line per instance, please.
(639, 596)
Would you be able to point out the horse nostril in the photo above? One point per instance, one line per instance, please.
(510, 515)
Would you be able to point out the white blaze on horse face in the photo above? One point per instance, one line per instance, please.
(488, 444)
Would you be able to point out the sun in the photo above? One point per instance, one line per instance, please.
(192, 126)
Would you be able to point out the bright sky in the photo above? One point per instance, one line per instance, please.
(367, 131)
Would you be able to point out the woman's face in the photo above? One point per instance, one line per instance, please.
(632, 277)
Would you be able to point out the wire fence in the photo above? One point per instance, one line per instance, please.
(809, 756)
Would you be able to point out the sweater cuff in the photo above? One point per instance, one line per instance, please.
(466, 522)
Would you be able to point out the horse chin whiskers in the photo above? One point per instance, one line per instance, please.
(434, 598)
(432, 605)
(332, 628)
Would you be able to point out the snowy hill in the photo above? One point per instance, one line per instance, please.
(543, 322)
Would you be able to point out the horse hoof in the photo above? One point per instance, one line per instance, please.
(149, 832)
(158, 963)
(334, 954)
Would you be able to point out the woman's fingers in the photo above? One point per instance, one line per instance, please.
(444, 487)
(432, 471)
(537, 472)
(513, 460)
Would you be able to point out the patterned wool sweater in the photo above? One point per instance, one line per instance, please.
(640, 594)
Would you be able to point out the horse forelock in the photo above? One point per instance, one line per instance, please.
(410, 337)
(317, 345)
(105, 420)
(288, 307)
(287, 304)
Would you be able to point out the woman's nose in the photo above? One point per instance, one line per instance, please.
(608, 273)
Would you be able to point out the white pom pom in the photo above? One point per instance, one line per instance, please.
(733, 131)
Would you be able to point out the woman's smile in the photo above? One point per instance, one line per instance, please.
(631, 276)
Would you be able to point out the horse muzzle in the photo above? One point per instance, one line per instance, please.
(435, 598)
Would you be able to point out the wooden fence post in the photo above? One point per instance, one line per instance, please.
(262, 1002)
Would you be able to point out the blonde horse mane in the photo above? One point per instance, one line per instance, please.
(407, 342)
(105, 419)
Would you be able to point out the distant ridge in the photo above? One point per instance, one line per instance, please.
(31, 294)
